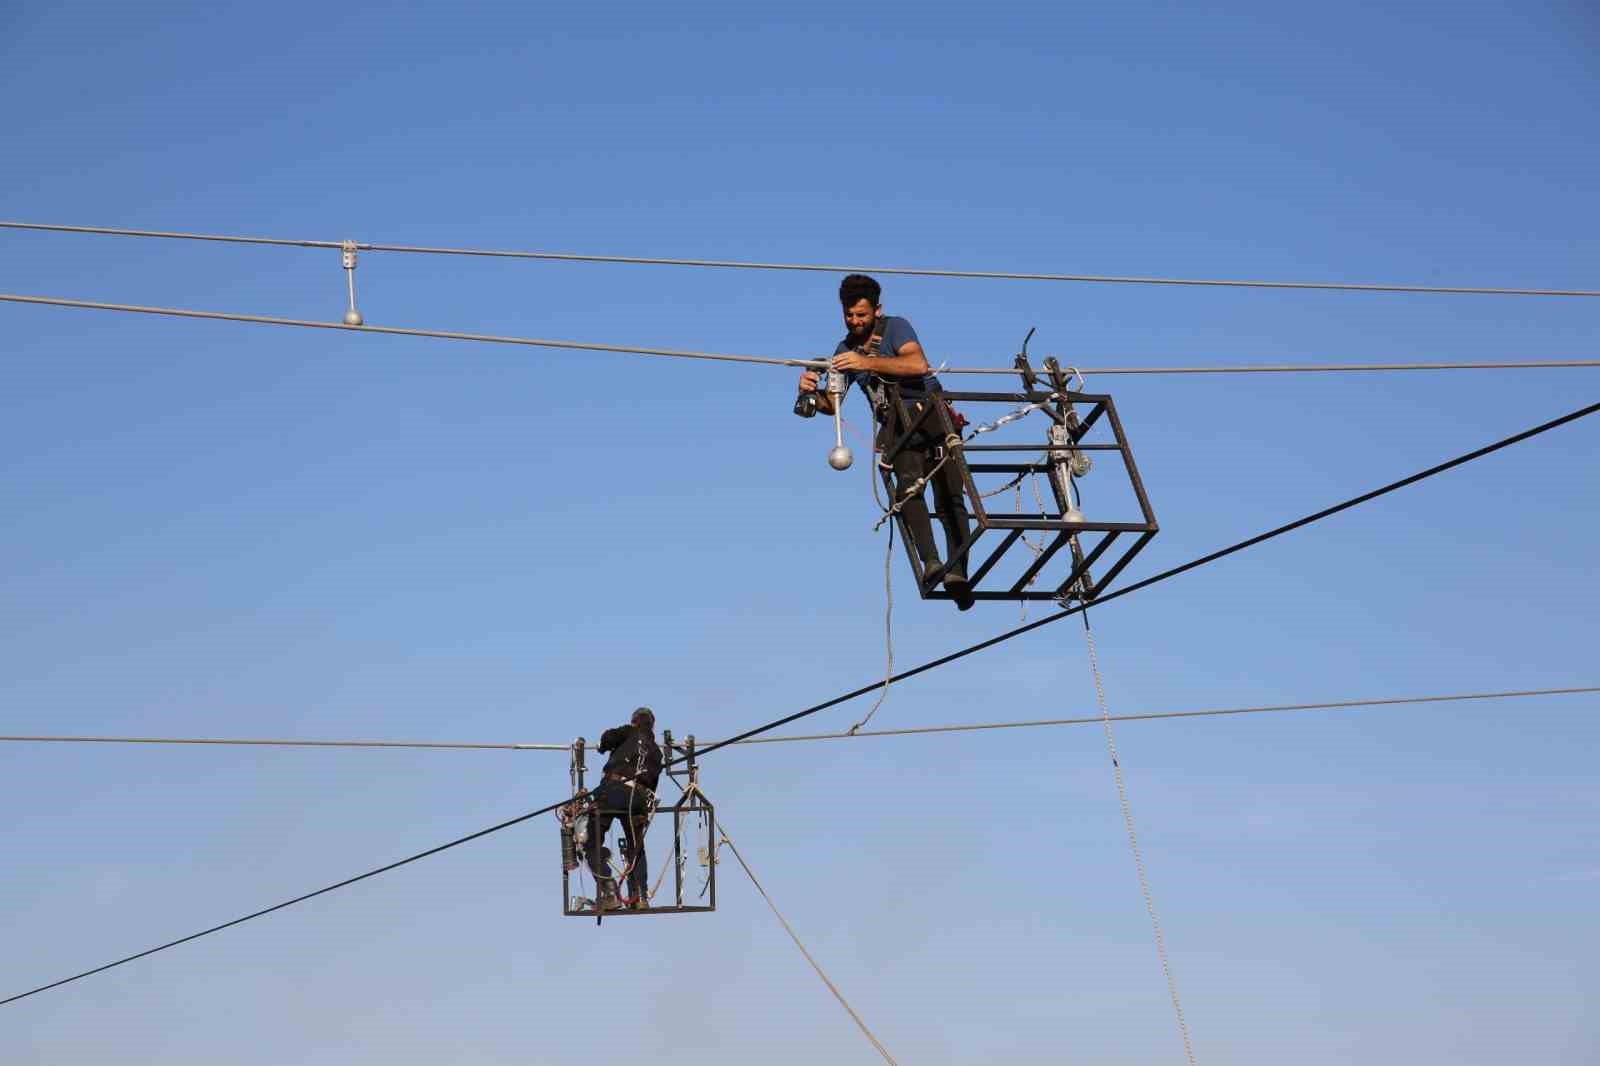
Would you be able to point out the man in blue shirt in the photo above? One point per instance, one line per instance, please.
(898, 356)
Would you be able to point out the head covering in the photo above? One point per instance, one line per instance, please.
(644, 716)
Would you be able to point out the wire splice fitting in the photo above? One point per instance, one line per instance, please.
(347, 257)
(839, 457)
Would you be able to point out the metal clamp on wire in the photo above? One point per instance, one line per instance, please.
(347, 255)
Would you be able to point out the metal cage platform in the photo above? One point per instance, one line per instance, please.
(694, 839)
(1080, 424)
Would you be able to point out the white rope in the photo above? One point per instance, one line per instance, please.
(888, 601)
(787, 928)
(1007, 419)
(904, 495)
(1133, 841)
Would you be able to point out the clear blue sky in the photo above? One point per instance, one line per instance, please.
(228, 530)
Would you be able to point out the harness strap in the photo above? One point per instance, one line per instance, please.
(874, 343)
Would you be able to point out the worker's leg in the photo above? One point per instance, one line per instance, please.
(909, 468)
(949, 495)
(639, 874)
(606, 811)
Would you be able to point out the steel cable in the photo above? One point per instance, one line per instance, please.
(971, 727)
(914, 671)
(739, 264)
(762, 360)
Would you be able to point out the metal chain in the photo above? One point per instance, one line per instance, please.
(1133, 840)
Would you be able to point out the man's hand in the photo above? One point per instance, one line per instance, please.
(808, 381)
(852, 361)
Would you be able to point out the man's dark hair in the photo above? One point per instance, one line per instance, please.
(645, 717)
(859, 287)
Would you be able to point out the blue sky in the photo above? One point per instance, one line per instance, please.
(227, 530)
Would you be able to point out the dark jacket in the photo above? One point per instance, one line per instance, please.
(634, 753)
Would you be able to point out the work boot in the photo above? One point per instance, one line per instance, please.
(960, 589)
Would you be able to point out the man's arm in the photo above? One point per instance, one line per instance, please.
(611, 738)
(907, 362)
(910, 361)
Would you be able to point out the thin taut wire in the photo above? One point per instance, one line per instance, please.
(723, 357)
(740, 264)
(974, 727)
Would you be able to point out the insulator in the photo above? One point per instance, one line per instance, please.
(569, 849)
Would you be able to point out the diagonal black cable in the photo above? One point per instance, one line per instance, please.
(1327, 512)
(1354, 501)
(285, 903)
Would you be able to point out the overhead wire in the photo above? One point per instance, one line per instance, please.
(796, 362)
(1165, 575)
(1000, 638)
(741, 264)
(972, 727)
(286, 903)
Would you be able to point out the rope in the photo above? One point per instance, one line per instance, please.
(738, 264)
(809, 364)
(787, 928)
(1133, 840)
(904, 495)
(888, 601)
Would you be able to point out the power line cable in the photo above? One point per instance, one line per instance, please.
(286, 903)
(974, 727)
(740, 264)
(1164, 575)
(795, 362)
(925, 667)
(439, 334)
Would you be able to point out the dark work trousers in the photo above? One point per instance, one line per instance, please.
(919, 456)
(617, 800)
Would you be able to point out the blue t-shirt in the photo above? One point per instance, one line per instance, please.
(897, 333)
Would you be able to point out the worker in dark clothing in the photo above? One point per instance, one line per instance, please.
(627, 791)
(885, 346)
